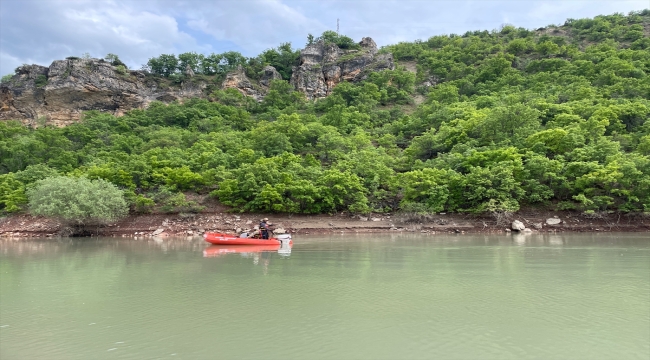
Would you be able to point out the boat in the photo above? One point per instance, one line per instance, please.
(219, 250)
(228, 239)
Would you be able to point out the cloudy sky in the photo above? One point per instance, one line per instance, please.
(39, 31)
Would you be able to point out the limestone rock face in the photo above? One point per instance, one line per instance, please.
(237, 79)
(323, 66)
(269, 75)
(188, 71)
(58, 94)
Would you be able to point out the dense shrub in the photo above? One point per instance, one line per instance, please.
(77, 201)
(41, 80)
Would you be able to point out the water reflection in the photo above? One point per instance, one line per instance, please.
(249, 251)
(245, 250)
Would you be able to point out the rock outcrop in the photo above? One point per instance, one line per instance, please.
(322, 66)
(269, 75)
(237, 79)
(58, 94)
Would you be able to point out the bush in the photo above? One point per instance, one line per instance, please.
(174, 202)
(41, 80)
(33, 173)
(120, 69)
(114, 60)
(77, 201)
(6, 78)
(143, 204)
(342, 41)
(12, 194)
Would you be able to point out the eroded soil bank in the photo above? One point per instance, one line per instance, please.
(195, 224)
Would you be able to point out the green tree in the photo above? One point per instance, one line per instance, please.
(114, 60)
(12, 194)
(342, 41)
(428, 187)
(283, 59)
(211, 64)
(163, 65)
(191, 60)
(513, 123)
(77, 201)
(282, 95)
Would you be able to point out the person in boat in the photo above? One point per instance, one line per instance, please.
(264, 228)
(255, 234)
(270, 227)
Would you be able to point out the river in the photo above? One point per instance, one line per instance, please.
(382, 296)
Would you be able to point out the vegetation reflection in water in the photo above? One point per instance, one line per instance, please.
(379, 296)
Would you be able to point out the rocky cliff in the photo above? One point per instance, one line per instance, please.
(237, 79)
(322, 66)
(58, 94)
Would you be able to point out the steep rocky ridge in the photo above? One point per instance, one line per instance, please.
(58, 94)
(322, 66)
(237, 79)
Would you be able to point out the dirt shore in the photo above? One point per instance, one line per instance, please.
(18, 226)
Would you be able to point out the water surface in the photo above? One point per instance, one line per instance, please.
(351, 297)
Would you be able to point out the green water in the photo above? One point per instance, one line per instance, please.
(338, 297)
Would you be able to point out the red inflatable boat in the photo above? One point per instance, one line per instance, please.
(227, 239)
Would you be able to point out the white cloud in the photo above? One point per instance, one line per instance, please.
(556, 12)
(51, 30)
(9, 63)
(252, 25)
(42, 31)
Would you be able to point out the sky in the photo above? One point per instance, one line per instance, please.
(40, 31)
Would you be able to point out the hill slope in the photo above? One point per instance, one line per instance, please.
(554, 118)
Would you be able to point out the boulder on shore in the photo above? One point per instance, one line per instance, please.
(517, 225)
(553, 221)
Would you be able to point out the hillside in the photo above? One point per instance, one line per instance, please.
(489, 122)
(60, 93)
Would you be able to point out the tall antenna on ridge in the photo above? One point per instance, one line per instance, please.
(337, 26)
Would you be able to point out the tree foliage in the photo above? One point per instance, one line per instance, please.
(78, 201)
(342, 41)
(491, 121)
(283, 59)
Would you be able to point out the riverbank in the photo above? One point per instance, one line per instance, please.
(195, 224)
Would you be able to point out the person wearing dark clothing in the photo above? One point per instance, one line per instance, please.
(264, 228)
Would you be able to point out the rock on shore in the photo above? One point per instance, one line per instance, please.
(23, 225)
